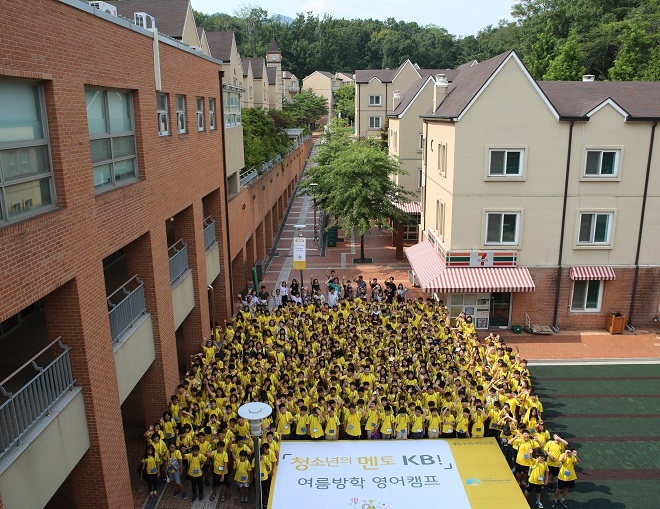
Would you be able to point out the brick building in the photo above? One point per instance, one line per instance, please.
(115, 251)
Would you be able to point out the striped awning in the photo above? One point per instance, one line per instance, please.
(412, 207)
(602, 273)
(426, 263)
(483, 279)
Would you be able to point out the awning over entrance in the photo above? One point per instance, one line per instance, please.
(486, 279)
(433, 276)
(413, 207)
(425, 262)
(593, 273)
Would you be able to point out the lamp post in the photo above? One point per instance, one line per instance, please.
(255, 413)
(314, 186)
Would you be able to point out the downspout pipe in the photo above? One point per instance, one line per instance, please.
(631, 314)
(221, 75)
(562, 232)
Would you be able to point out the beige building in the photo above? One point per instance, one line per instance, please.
(173, 18)
(290, 85)
(275, 81)
(540, 198)
(248, 83)
(260, 80)
(320, 82)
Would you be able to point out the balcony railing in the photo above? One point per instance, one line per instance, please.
(294, 88)
(209, 232)
(21, 408)
(125, 306)
(178, 254)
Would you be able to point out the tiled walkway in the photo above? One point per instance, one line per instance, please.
(563, 347)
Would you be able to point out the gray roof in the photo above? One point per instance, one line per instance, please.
(273, 47)
(257, 67)
(245, 62)
(574, 99)
(408, 96)
(272, 75)
(366, 75)
(466, 86)
(220, 44)
(170, 15)
(450, 73)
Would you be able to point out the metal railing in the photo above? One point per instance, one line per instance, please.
(25, 406)
(178, 254)
(209, 232)
(125, 306)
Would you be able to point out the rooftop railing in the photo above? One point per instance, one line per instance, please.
(21, 408)
(209, 232)
(178, 254)
(125, 306)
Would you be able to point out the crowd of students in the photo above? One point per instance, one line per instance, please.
(372, 365)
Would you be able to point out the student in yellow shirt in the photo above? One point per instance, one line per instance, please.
(567, 477)
(352, 426)
(284, 419)
(150, 462)
(195, 463)
(434, 424)
(242, 474)
(316, 424)
(219, 460)
(448, 423)
(387, 427)
(332, 425)
(302, 423)
(538, 477)
(372, 419)
(265, 469)
(402, 424)
(417, 424)
(525, 446)
(554, 450)
(174, 462)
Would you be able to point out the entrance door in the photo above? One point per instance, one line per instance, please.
(500, 305)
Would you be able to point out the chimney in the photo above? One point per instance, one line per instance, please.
(440, 90)
(588, 78)
(396, 99)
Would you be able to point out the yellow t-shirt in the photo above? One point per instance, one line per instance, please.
(353, 427)
(434, 424)
(195, 464)
(332, 426)
(372, 420)
(538, 471)
(567, 468)
(448, 423)
(264, 467)
(173, 455)
(282, 419)
(220, 460)
(315, 426)
(555, 450)
(387, 424)
(243, 469)
(524, 456)
(302, 425)
(151, 464)
(417, 424)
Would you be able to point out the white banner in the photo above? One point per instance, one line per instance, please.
(367, 474)
(299, 253)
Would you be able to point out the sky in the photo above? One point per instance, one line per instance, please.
(459, 17)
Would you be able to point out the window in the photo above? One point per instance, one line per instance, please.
(502, 227)
(181, 113)
(211, 113)
(163, 115)
(595, 228)
(232, 108)
(420, 142)
(440, 218)
(420, 178)
(586, 295)
(505, 163)
(374, 123)
(442, 159)
(602, 163)
(200, 113)
(26, 179)
(374, 100)
(112, 136)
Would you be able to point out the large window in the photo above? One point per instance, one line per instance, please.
(112, 136)
(586, 295)
(442, 159)
(163, 115)
(374, 122)
(26, 182)
(502, 227)
(595, 228)
(181, 114)
(212, 113)
(200, 113)
(375, 100)
(232, 108)
(602, 163)
(505, 163)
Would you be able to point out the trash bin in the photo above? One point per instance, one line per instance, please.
(615, 322)
(332, 236)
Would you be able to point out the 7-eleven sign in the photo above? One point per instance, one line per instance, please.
(481, 258)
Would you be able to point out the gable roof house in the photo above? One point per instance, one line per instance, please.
(540, 198)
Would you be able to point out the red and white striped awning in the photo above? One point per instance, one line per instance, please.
(603, 273)
(483, 279)
(434, 276)
(426, 263)
(412, 207)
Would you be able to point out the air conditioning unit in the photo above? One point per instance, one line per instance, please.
(144, 20)
(105, 7)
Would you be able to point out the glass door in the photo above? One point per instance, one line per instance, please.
(500, 306)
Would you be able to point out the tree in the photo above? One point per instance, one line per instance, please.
(307, 108)
(569, 63)
(262, 139)
(345, 102)
(542, 54)
(355, 184)
(253, 19)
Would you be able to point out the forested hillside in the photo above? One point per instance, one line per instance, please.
(557, 39)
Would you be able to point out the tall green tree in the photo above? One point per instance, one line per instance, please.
(345, 102)
(307, 108)
(262, 138)
(569, 63)
(354, 182)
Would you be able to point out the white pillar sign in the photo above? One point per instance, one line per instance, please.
(299, 253)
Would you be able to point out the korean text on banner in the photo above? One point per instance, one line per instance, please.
(299, 253)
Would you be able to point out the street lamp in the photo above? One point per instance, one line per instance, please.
(255, 413)
(314, 186)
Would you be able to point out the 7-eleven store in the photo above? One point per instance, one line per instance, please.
(478, 283)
